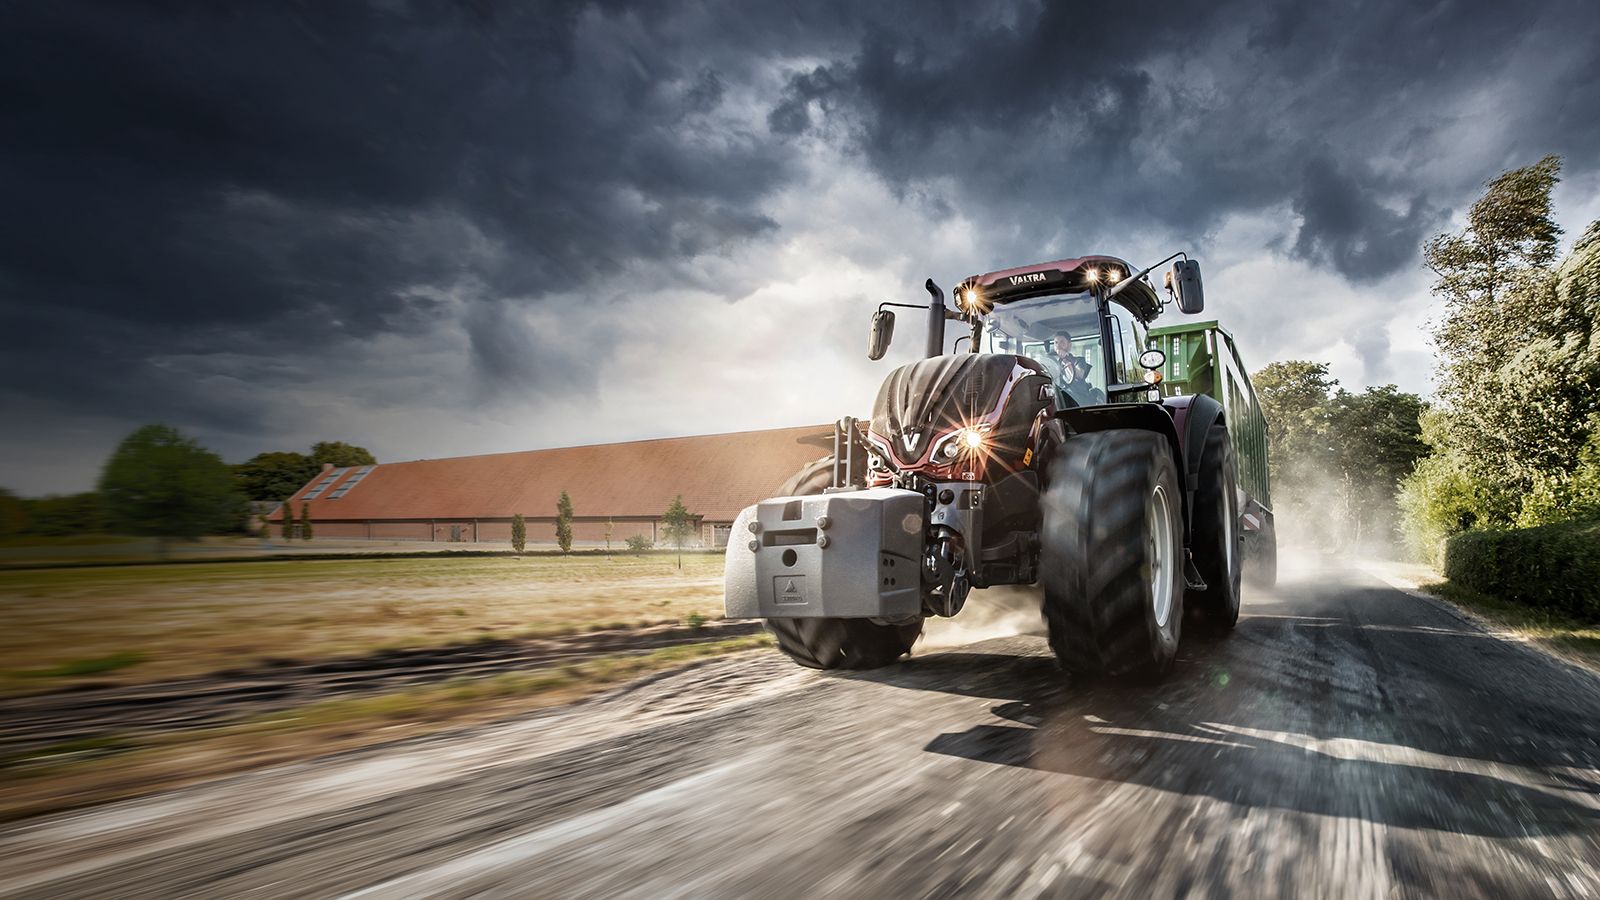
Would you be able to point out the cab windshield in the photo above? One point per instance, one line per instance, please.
(1063, 334)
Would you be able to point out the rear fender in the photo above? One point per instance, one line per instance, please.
(1146, 417)
(1193, 416)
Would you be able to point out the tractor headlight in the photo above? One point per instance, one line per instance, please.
(966, 440)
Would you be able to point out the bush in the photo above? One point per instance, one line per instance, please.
(639, 543)
(1550, 567)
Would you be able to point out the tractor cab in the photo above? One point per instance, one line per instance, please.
(1082, 319)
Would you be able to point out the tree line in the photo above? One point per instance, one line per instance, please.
(1512, 437)
(159, 482)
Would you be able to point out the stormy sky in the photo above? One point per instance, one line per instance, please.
(447, 228)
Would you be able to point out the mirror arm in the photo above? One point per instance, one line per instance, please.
(1142, 273)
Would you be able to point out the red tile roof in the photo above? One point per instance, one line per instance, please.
(718, 475)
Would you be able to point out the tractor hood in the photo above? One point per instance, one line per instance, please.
(930, 397)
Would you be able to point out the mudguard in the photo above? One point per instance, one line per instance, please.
(1174, 419)
(1193, 416)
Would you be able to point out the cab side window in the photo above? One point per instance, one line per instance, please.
(1125, 331)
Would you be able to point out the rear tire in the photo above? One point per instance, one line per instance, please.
(1216, 533)
(1111, 565)
(837, 643)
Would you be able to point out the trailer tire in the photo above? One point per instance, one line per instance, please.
(1111, 561)
(1214, 533)
(825, 643)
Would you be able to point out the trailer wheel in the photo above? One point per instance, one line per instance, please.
(1111, 565)
(1261, 563)
(838, 643)
(1215, 533)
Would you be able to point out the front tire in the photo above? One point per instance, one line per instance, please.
(831, 643)
(1111, 565)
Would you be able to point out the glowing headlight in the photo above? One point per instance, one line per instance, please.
(1113, 276)
(962, 440)
(1093, 275)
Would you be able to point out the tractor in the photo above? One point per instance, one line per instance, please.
(1044, 451)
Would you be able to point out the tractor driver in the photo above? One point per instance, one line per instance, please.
(1073, 372)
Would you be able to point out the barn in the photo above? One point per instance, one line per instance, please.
(626, 486)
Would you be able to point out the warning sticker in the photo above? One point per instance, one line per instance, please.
(789, 590)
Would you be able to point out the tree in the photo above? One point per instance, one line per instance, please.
(286, 524)
(14, 514)
(1375, 441)
(1519, 374)
(305, 521)
(1510, 235)
(1336, 458)
(610, 527)
(67, 514)
(519, 533)
(339, 455)
(677, 524)
(564, 522)
(1294, 398)
(274, 476)
(162, 484)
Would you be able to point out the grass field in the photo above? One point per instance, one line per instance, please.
(140, 623)
(66, 627)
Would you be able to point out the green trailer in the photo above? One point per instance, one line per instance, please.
(1201, 358)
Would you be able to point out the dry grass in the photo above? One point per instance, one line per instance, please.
(85, 772)
(64, 626)
(1554, 631)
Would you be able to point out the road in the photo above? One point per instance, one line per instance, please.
(1346, 740)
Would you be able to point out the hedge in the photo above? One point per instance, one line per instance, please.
(1551, 566)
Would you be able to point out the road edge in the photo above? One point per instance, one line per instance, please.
(1481, 622)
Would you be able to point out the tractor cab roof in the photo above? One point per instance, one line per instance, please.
(1063, 276)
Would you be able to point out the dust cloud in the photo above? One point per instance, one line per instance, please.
(990, 613)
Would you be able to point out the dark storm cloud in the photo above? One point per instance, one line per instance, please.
(299, 181)
(1053, 118)
(1346, 224)
(269, 176)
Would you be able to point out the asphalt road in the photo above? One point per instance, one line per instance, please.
(1346, 740)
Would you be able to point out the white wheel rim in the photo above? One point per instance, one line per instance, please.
(1230, 521)
(1161, 555)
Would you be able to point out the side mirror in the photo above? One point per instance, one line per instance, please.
(882, 333)
(1186, 278)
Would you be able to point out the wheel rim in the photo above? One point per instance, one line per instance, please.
(1230, 522)
(1161, 555)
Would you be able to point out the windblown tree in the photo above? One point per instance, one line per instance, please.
(164, 485)
(305, 521)
(519, 533)
(1519, 372)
